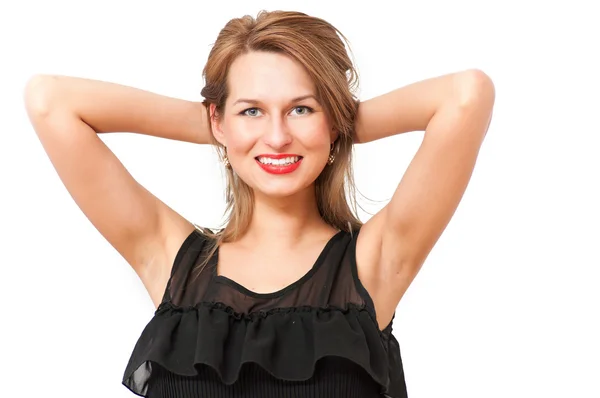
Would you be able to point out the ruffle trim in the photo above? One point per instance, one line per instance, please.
(286, 342)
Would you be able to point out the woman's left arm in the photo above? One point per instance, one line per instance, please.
(455, 111)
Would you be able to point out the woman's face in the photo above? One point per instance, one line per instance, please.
(277, 135)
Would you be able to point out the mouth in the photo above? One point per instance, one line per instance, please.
(280, 163)
(278, 160)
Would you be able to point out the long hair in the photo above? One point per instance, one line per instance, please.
(319, 48)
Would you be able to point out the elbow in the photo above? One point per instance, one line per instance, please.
(39, 95)
(476, 88)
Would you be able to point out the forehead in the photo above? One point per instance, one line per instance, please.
(268, 76)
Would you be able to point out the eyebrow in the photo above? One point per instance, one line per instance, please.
(255, 101)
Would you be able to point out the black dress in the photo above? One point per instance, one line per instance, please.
(318, 337)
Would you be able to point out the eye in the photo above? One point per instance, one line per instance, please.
(306, 110)
(252, 112)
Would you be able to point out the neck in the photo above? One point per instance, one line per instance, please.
(284, 221)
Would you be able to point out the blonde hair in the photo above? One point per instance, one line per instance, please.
(315, 44)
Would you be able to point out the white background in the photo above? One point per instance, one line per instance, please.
(507, 304)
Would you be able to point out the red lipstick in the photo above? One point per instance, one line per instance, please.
(276, 168)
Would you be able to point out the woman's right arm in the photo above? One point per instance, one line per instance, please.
(67, 114)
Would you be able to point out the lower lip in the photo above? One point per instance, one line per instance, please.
(277, 169)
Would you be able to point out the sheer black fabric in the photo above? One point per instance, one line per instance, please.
(318, 337)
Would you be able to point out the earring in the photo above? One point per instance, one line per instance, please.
(331, 155)
(226, 159)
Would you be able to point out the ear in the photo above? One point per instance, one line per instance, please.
(334, 134)
(215, 124)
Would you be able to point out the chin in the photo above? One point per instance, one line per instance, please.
(278, 190)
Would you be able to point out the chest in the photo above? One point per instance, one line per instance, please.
(265, 272)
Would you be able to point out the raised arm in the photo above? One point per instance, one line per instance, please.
(109, 107)
(455, 111)
(67, 113)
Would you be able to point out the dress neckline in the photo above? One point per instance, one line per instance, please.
(242, 289)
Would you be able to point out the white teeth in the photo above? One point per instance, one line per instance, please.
(278, 162)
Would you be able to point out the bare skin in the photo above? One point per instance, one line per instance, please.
(285, 204)
(454, 110)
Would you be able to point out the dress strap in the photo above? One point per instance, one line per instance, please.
(182, 271)
(362, 291)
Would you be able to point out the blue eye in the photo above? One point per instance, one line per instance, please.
(254, 112)
(306, 108)
(246, 112)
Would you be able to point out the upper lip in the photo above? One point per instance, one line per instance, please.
(278, 155)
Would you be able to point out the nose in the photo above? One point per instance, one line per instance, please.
(277, 134)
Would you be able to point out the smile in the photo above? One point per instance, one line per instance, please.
(279, 164)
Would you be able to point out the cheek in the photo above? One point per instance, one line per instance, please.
(317, 138)
(239, 145)
(240, 138)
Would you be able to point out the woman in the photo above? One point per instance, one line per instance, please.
(295, 296)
